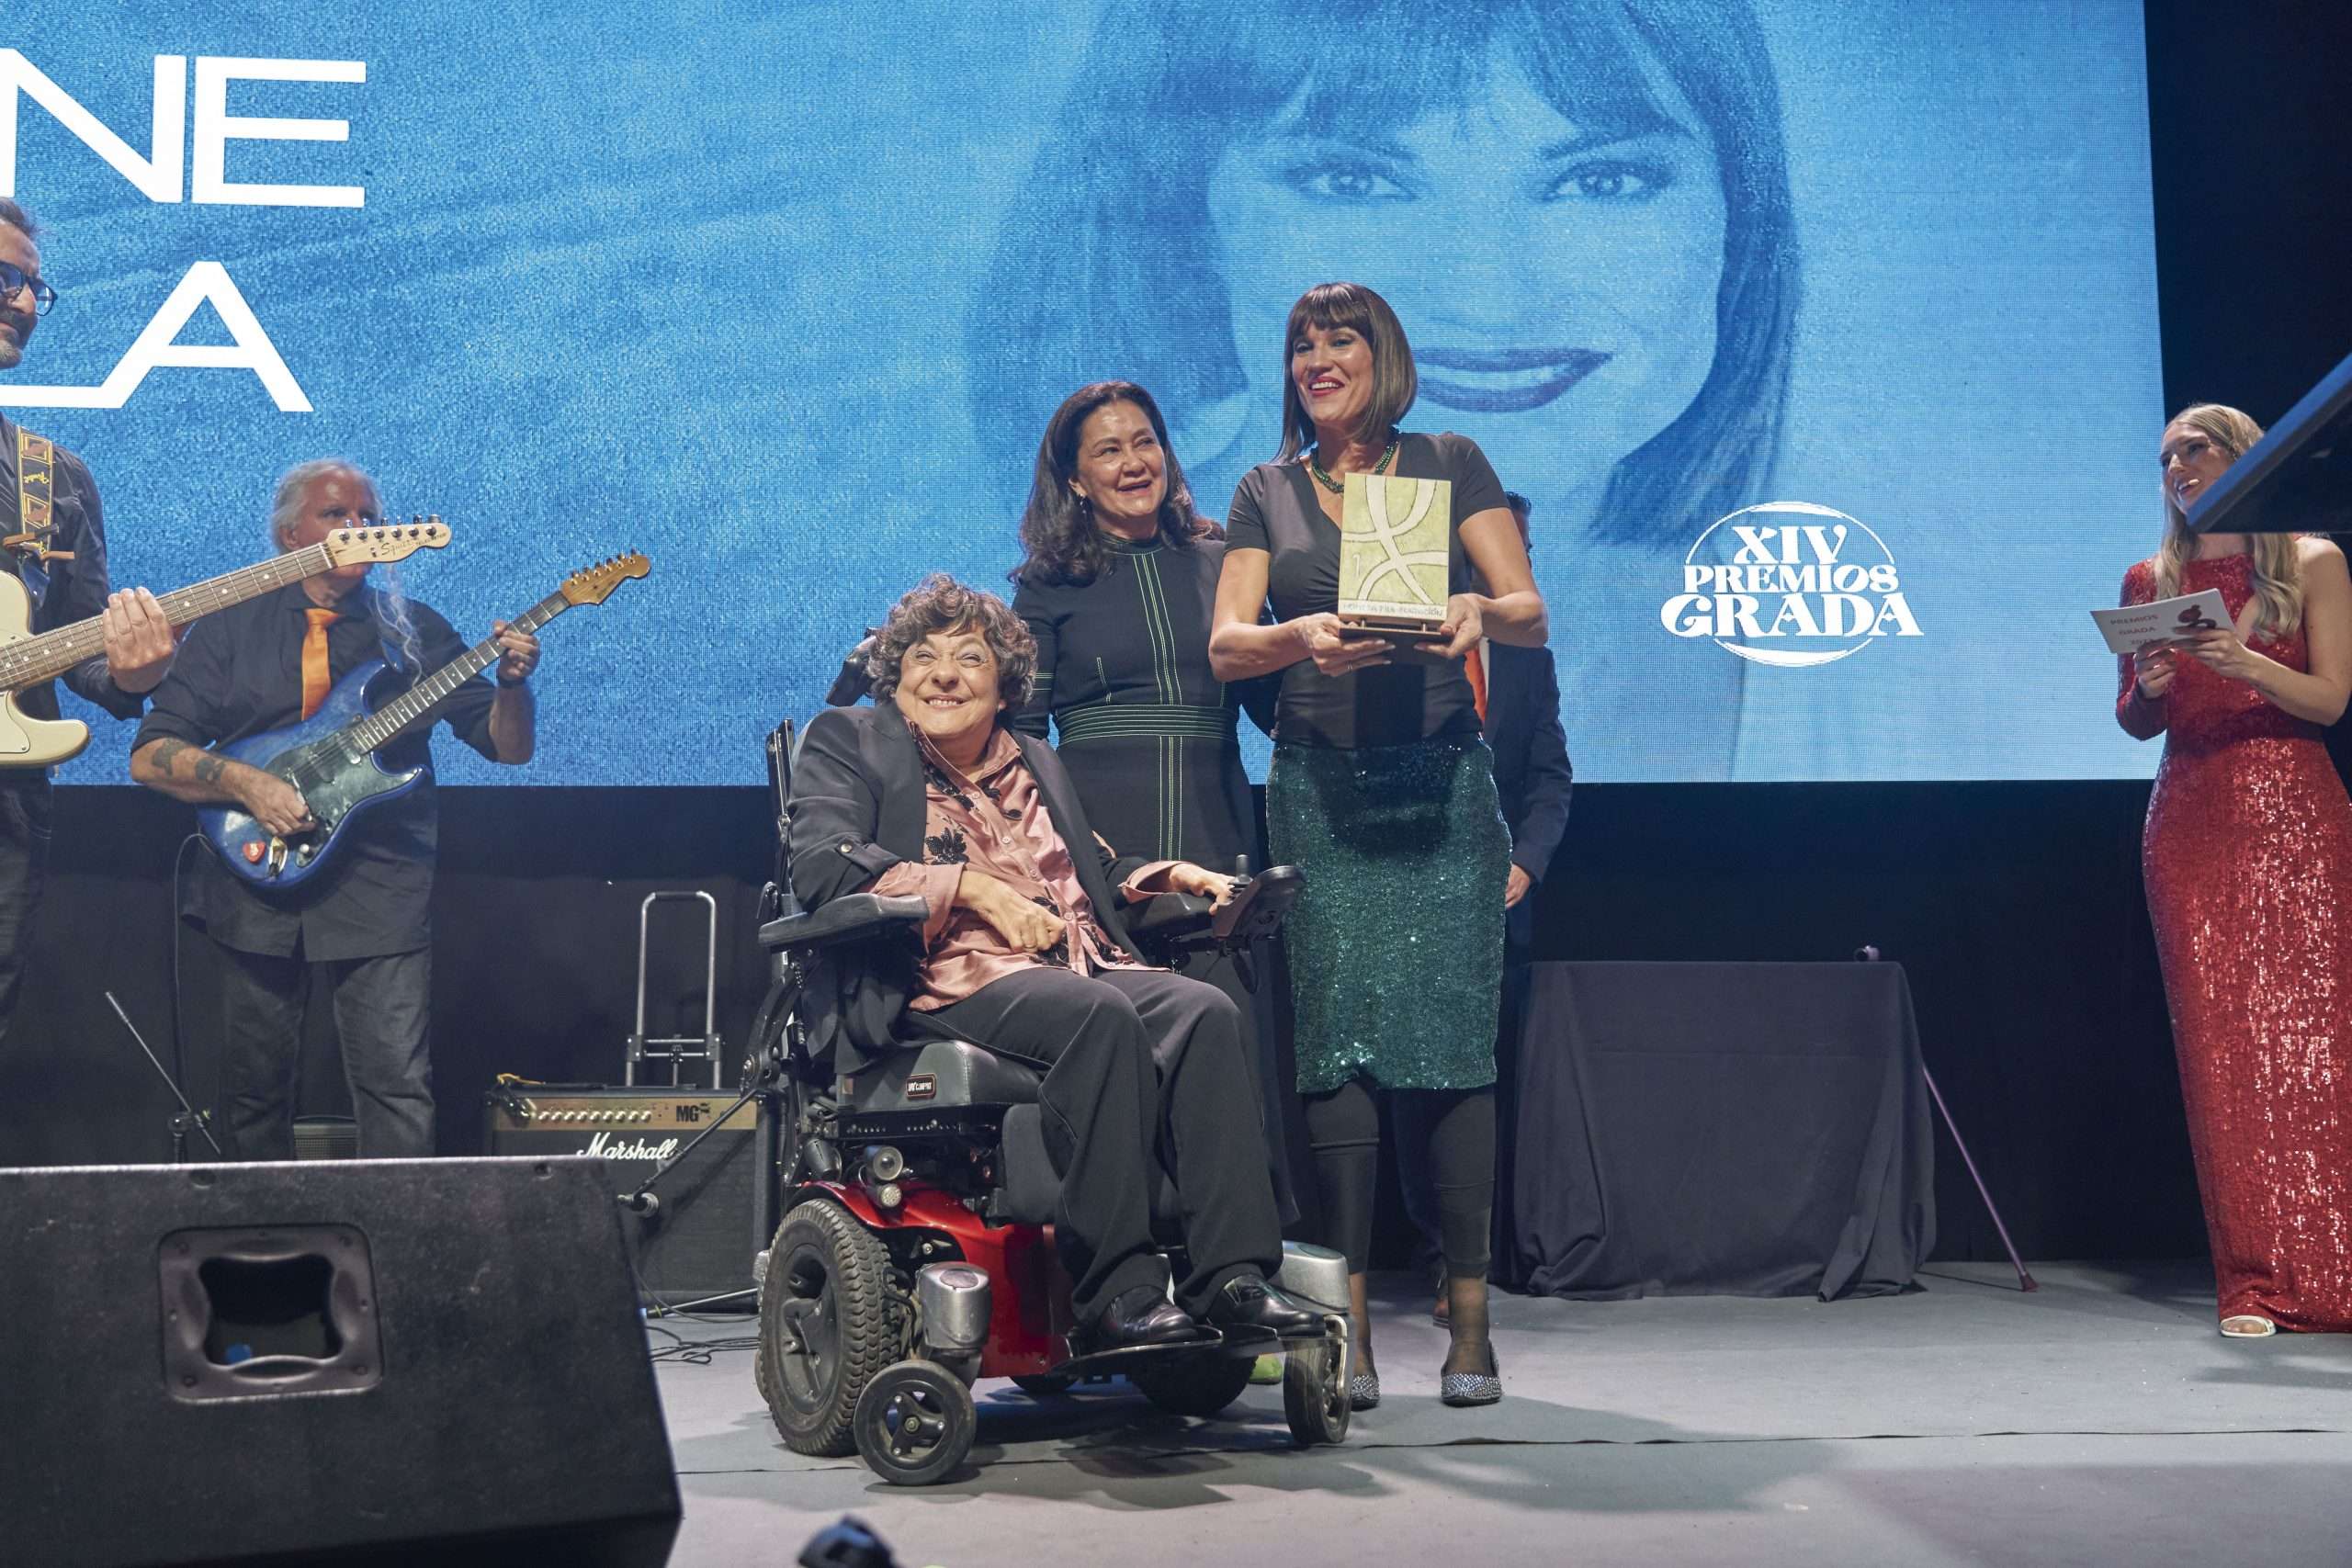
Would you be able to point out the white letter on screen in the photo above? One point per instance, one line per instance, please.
(205, 281)
(158, 178)
(215, 127)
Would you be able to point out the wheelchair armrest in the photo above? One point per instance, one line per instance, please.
(1175, 923)
(858, 916)
(1167, 917)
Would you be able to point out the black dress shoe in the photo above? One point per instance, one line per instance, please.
(1248, 1302)
(1140, 1316)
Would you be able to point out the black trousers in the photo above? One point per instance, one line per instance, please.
(1261, 1047)
(1145, 1072)
(382, 1015)
(24, 805)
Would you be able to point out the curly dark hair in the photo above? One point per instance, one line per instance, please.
(1061, 542)
(17, 218)
(940, 604)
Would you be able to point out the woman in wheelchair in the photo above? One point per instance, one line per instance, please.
(1024, 951)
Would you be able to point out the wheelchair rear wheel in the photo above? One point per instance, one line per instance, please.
(827, 1326)
(1194, 1385)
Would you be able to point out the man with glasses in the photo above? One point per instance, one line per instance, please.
(60, 561)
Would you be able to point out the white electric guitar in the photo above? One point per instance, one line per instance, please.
(27, 661)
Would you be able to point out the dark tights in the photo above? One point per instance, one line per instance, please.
(1453, 1131)
(1457, 1128)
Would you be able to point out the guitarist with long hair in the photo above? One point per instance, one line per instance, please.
(53, 541)
(360, 926)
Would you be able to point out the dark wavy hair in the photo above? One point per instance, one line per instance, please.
(1395, 383)
(17, 218)
(1108, 257)
(940, 604)
(1059, 541)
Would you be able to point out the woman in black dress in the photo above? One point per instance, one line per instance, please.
(1117, 581)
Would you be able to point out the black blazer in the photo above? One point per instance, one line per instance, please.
(856, 810)
(1532, 770)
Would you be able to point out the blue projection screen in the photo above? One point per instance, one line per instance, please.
(1823, 336)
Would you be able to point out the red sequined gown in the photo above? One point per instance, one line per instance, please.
(2247, 858)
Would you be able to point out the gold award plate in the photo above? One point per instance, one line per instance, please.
(1394, 534)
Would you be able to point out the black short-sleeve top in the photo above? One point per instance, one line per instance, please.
(1416, 699)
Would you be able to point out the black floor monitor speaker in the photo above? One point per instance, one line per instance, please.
(367, 1361)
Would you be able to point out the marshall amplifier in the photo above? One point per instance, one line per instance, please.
(697, 1241)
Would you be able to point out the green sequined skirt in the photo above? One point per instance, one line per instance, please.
(1396, 946)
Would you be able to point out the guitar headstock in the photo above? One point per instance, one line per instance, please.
(383, 542)
(594, 584)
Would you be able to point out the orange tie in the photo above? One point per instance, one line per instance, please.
(1472, 666)
(315, 661)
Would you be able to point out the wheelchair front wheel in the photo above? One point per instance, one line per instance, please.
(915, 1423)
(1315, 1396)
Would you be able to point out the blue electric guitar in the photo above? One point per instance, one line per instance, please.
(331, 756)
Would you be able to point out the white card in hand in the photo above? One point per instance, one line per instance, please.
(2134, 629)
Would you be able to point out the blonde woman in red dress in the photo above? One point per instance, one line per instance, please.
(2247, 857)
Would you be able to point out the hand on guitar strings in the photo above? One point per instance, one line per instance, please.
(518, 653)
(276, 805)
(140, 641)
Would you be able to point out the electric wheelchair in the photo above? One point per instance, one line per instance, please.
(913, 1255)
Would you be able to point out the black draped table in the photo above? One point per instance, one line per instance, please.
(1716, 1129)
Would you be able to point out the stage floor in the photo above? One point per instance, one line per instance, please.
(2099, 1420)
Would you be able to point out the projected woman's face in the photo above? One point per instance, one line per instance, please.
(1559, 282)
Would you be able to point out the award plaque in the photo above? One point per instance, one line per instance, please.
(1394, 534)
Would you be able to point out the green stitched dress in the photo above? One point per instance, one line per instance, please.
(1148, 733)
(1150, 738)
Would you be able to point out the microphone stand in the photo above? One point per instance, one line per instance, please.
(187, 1117)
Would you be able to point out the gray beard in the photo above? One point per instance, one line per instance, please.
(12, 353)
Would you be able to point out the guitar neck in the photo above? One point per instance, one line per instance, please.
(387, 723)
(53, 653)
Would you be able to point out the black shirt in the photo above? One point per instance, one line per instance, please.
(77, 588)
(239, 674)
(1414, 698)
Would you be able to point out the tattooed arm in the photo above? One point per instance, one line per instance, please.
(173, 767)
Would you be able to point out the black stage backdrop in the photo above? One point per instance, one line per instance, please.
(2016, 908)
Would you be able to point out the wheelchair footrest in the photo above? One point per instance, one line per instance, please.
(1231, 1341)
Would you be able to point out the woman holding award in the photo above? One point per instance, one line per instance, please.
(1381, 788)
(1117, 577)
(2247, 858)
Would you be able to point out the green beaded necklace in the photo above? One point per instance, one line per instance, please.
(1315, 465)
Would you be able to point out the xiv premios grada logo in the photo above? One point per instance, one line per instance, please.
(1790, 583)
